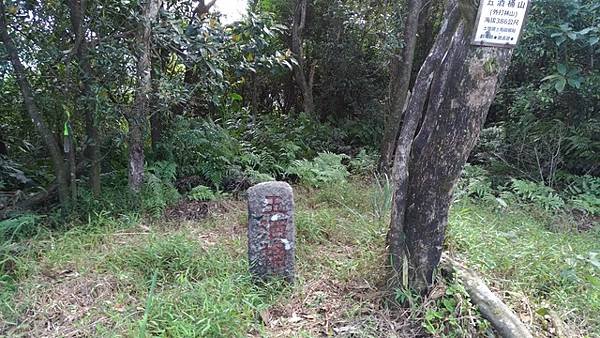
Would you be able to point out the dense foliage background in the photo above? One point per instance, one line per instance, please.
(226, 109)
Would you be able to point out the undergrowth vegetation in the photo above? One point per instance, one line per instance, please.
(538, 268)
(119, 225)
(170, 278)
(576, 193)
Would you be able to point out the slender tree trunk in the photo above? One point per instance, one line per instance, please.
(452, 95)
(91, 128)
(289, 95)
(303, 80)
(60, 168)
(156, 124)
(203, 8)
(254, 98)
(401, 70)
(3, 147)
(155, 131)
(72, 165)
(86, 105)
(137, 117)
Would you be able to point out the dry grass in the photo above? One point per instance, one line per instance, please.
(95, 282)
(68, 304)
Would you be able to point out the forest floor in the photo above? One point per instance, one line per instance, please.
(123, 276)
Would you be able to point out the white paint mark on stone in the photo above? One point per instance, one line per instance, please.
(288, 245)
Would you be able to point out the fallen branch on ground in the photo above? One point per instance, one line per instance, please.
(502, 318)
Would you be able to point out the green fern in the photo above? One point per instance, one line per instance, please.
(538, 193)
(364, 162)
(326, 168)
(584, 193)
(158, 191)
(475, 182)
(202, 193)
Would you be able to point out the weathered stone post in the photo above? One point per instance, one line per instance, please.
(271, 231)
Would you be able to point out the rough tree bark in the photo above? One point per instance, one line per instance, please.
(137, 117)
(86, 105)
(451, 97)
(56, 154)
(304, 81)
(401, 69)
(431, 13)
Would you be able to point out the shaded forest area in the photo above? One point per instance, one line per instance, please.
(154, 117)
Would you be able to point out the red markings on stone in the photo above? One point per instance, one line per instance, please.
(277, 229)
(274, 205)
(276, 252)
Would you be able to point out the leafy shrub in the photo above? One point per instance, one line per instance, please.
(476, 183)
(202, 193)
(202, 147)
(278, 141)
(13, 230)
(491, 142)
(17, 228)
(584, 193)
(324, 169)
(454, 315)
(587, 203)
(158, 191)
(256, 177)
(538, 193)
(364, 162)
(11, 174)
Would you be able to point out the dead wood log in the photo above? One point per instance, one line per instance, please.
(504, 320)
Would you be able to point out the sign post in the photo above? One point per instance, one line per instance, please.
(500, 22)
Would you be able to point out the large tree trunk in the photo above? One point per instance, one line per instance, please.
(431, 13)
(451, 97)
(401, 69)
(85, 107)
(60, 168)
(303, 80)
(137, 117)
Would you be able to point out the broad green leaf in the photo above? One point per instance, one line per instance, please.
(560, 84)
(574, 82)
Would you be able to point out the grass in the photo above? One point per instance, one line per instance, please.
(518, 253)
(125, 276)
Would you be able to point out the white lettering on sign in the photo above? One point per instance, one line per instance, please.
(500, 22)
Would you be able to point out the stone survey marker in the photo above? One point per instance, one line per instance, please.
(271, 231)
